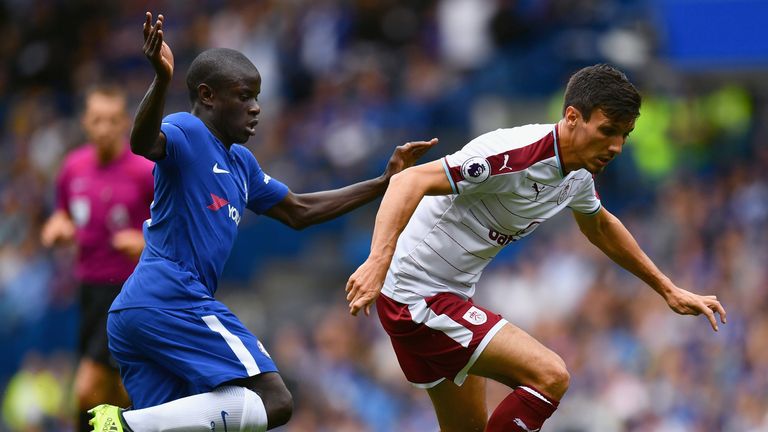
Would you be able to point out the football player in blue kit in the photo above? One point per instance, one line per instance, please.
(187, 362)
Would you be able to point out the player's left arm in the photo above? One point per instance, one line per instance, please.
(302, 210)
(607, 232)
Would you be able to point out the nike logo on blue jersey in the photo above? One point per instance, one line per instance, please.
(217, 170)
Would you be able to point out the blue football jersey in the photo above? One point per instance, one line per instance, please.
(201, 191)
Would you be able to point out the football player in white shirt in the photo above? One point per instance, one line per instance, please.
(439, 225)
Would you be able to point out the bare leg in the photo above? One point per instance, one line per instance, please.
(536, 373)
(515, 358)
(95, 384)
(460, 409)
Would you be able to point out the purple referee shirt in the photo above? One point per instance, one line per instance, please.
(103, 199)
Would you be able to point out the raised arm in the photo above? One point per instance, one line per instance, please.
(607, 232)
(146, 138)
(302, 210)
(400, 201)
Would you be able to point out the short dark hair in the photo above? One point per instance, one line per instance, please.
(215, 67)
(107, 89)
(605, 87)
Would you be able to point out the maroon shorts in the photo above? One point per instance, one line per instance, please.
(439, 337)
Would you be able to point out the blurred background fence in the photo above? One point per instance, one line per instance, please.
(346, 81)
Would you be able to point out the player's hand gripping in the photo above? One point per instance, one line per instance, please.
(157, 51)
(365, 285)
(406, 155)
(687, 303)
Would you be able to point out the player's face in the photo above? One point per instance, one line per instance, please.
(106, 123)
(599, 140)
(237, 108)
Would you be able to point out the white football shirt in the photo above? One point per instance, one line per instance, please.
(505, 184)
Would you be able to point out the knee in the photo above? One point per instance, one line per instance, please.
(554, 378)
(274, 395)
(279, 407)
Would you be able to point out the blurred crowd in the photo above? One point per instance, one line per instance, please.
(344, 81)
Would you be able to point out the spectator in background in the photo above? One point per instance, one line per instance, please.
(34, 399)
(103, 196)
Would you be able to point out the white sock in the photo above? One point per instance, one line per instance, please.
(237, 408)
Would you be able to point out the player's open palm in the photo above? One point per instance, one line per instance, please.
(157, 51)
(364, 286)
(687, 303)
(406, 155)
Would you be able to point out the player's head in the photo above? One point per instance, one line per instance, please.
(223, 88)
(105, 119)
(600, 109)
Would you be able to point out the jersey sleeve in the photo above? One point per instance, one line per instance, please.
(148, 182)
(180, 132)
(471, 169)
(586, 200)
(263, 191)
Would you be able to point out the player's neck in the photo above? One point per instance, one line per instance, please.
(209, 124)
(565, 147)
(227, 145)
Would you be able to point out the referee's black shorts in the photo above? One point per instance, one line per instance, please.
(95, 300)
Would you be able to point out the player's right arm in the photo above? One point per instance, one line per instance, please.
(60, 228)
(146, 138)
(405, 191)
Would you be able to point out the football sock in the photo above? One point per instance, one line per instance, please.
(226, 409)
(524, 410)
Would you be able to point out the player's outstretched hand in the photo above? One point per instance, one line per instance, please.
(364, 286)
(406, 155)
(157, 51)
(687, 303)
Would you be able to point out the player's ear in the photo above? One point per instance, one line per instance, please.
(205, 94)
(572, 114)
